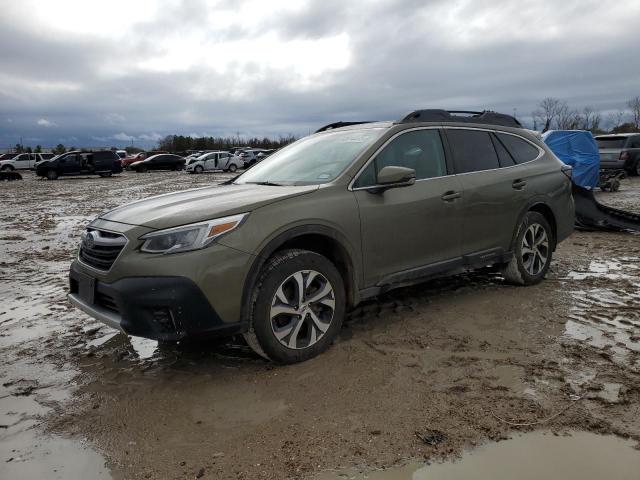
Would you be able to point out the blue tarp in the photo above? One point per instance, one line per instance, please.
(579, 149)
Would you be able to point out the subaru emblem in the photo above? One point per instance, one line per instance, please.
(89, 240)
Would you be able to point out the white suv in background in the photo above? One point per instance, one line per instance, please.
(214, 161)
(24, 161)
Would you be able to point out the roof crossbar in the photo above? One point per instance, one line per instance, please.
(464, 116)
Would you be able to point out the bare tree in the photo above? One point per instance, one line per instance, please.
(547, 112)
(566, 117)
(634, 105)
(616, 118)
(590, 119)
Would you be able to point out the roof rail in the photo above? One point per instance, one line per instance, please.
(331, 126)
(486, 116)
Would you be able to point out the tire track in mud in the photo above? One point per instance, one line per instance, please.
(606, 306)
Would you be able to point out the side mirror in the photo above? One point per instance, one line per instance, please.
(394, 177)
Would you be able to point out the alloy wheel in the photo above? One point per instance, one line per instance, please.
(535, 249)
(302, 309)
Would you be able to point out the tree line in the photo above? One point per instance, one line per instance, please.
(555, 114)
(181, 143)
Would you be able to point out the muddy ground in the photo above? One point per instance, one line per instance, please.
(425, 372)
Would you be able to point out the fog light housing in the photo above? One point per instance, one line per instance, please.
(163, 317)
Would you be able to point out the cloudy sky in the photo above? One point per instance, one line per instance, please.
(93, 73)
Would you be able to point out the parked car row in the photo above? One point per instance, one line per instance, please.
(246, 157)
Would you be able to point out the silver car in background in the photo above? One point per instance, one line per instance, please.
(620, 152)
(212, 161)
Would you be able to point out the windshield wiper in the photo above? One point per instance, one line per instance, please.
(272, 184)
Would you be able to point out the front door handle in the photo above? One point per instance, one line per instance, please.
(519, 184)
(450, 196)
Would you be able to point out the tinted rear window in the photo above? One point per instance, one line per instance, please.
(521, 150)
(472, 150)
(611, 142)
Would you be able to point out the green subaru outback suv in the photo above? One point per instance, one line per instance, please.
(282, 252)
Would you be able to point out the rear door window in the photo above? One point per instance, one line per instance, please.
(473, 150)
(521, 150)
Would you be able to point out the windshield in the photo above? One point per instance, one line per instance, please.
(312, 160)
(611, 142)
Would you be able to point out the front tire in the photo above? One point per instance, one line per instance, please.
(7, 168)
(297, 307)
(198, 169)
(232, 168)
(52, 175)
(532, 252)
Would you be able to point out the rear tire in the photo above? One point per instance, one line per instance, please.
(297, 307)
(52, 175)
(532, 252)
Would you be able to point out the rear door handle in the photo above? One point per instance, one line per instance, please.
(519, 184)
(450, 196)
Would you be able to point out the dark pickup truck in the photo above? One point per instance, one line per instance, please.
(103, 163)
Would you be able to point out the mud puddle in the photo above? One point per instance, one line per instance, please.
(572, 456)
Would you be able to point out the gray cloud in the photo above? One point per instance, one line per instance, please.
(227, 67)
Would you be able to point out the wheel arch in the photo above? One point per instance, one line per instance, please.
(541, 207)
(320, 239)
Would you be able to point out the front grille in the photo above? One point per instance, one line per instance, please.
(100, 249)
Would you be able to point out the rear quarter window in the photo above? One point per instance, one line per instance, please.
(521, 150)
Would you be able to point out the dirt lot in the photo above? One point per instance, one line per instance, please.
(455, 362)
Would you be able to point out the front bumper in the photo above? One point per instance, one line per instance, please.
(166, 308)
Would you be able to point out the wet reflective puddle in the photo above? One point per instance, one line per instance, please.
(532, 456)
(606, 306)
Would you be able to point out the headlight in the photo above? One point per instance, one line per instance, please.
(190, 237)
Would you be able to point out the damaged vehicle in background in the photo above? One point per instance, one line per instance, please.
(104, 163)
(213, 161)
(280, 253)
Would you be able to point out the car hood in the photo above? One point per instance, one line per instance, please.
(181, 208)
